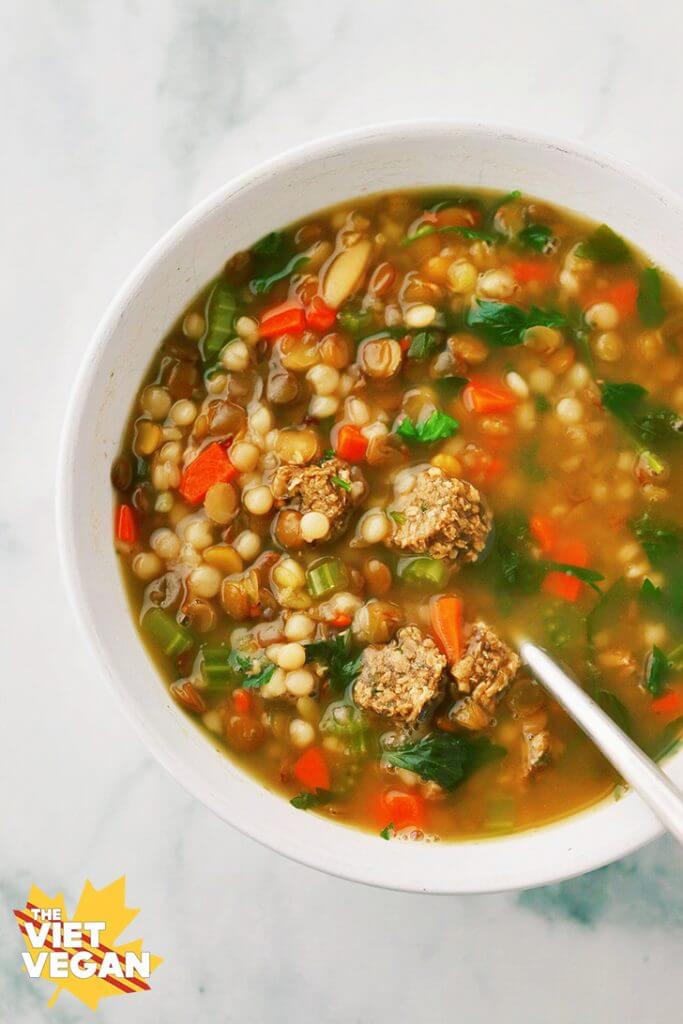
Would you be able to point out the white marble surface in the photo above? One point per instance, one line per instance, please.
(116, 118)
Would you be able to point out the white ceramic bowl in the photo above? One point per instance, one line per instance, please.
(281, 191)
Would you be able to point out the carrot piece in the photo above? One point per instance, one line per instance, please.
(623, 295)
(482, 468)
(241, 700)
(126, 525)
(320, 316)
(212, 466)
(543, 530)
(287, 318)
(400, 809)
(669, 704)
(351, 444)
(341, 621)
(526, 271)
(311, 769)
(482, 396)
(559, 584)
(446, 619)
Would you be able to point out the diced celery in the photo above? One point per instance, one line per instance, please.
(172, 638)
(422, 569)
(325, 578)
(220, 316)
(217, 668)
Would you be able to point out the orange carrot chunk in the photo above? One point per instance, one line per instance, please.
(212, 466)
(543, 529)
(670, 703)
(446, 617)
(287, 318)
(526, 271)
(623, 295)
(559, 584)
(400, 809)
(351, 444)
(482, 397)
(242, 701)
(320, 316)
(126, 525)
(312, 771)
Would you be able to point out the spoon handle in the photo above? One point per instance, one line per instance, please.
(641, 773)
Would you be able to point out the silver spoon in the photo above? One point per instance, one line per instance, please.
(641, 773)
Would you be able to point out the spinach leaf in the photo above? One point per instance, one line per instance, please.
(444, 758)
(668, 741)
(510, 562)
(355, 321)
(388, 831)
(536, 237)
(662, 542)
(437, 427)
(303, 801)
(613, 707)
(504, 324)
(424, 344)
(656, 670)
(252, 682)
(608, 610)
(650, 309)
(647, 423)
(337, 654)
(262, 285)
(529, 464)
(604, 246)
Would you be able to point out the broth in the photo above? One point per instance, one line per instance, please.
(383, 444)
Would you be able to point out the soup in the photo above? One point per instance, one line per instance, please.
(384, 444)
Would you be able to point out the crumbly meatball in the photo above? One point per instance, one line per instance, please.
(320, 488)
(443, 517)
(400, 679)
(536, 749)
(486, 668)
(469, 714)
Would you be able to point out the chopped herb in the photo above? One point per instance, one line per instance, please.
(262, 285)
(536, 237)
(589, 576)
(270, 245)
(564, 626)
(510, 562)
(388, 831)
(424, 345)
(304, 801)
(260, 679)
(249, 678)
(668, 741)
(613, 707)
(529, 464)
(504, 324)
(604, 246)
(650, 309)
(509, 197)
(328, 454)
(398, 517)
(439, 426)
(344, 484)
(607, 611)
(656, 670)
(675, 659)
(337, 654)
(449, 386)
(541, 403)
(444, 758)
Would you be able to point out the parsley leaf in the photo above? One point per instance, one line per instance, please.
(656, 669)
(252, 682)
(303, 801)
(438, 426)
(336, 653)
(423, 345)
(604, 246)
(536, 237)
(650, 309)
(388, 831)
(444, 758)
(262, 285)
(504, 324)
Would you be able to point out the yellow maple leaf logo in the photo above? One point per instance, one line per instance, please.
(107, 905)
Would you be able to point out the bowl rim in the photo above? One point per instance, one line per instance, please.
(643, 826)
